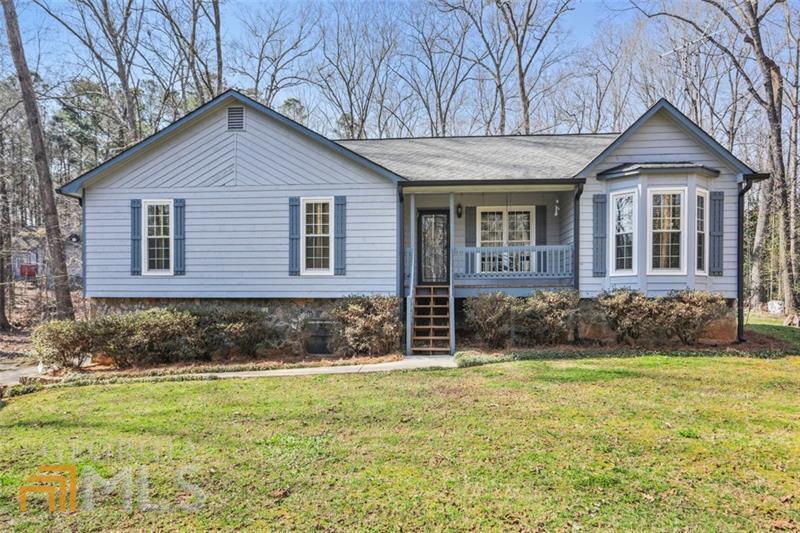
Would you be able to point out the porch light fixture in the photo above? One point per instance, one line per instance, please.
(459, 210)
(555, 211)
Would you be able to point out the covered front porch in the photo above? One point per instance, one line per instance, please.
(460, 241)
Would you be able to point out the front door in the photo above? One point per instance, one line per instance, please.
(434, 247)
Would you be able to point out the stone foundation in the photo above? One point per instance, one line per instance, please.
(313, 313)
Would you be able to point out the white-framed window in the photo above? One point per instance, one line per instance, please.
(316, 238)
(505, 226)
(157, 237)
(623, 233)
(701, 231)
(666, 231)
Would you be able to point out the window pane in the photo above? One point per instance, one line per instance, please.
(701, 233)
(519, 228)
(318, 231)
(666, 222)
(491, 227)
(158, 237)
(624, 251)
(317, 218)
(623, 230)
(317, 252)
(667, 250)
(701, 251)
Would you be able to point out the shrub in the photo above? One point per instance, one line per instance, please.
(63, 343)
(366, 325)
(631, 314)
(149, 337)
(545, 317)
(242, 328)
(491, 316)
(686, 314)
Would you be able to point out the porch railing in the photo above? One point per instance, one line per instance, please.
(492, 262)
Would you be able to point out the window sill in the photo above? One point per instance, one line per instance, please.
(157, 273)
(666, 272)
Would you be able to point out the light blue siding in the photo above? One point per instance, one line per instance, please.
(236, 188)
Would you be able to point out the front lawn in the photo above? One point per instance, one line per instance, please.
(640, 443)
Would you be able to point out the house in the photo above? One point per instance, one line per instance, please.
(235, 202)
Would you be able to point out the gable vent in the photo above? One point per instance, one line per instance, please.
(236, 118)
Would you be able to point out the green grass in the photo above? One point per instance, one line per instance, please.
(773, 326)
(641, 443)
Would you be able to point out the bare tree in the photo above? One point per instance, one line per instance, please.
(110, 34)
(270, 55)
(184, 24)
(530, 23)
(46, 195)
(491, 52)
(356, 48)
(435, 68)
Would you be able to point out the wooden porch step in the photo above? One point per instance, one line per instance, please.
(429, 349)
(440, 338)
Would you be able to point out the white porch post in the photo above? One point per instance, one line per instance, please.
(451, 302)
(412, 270)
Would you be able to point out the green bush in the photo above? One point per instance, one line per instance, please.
(491, 316)
(63, 343)
(686, 314)
(153, 336)
(240, 328)
(546, 317)
(632, 315)
(366, 325)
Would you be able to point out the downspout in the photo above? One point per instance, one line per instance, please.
(401, 250)
(576, 221)
(743, 188)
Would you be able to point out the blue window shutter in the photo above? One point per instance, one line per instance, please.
(294, 236)
(599, 235)
(136, 237)
(717, 201)
(470, 236)
(180, 237)
(340, 232)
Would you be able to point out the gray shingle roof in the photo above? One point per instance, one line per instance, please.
(515, 157)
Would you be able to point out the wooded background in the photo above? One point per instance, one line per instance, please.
(375, 69)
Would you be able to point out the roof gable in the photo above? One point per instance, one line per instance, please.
(692, 129)
(74, 187)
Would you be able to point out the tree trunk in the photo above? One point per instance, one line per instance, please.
(47, 199)
(5, 251)
(757, 252)
(218, 41)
